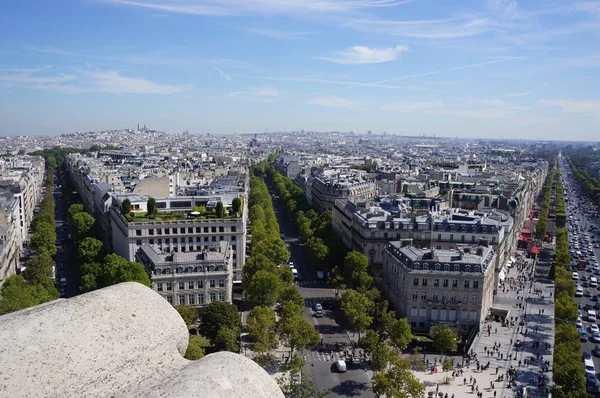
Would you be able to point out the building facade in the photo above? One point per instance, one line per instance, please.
(181, 233)
(325, 190)
(193, 278)
(439, 286)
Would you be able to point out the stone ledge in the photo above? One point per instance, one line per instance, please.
(120, 341)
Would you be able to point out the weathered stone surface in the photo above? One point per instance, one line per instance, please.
(120, 341)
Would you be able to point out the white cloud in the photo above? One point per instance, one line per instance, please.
(412, 106)
(365, 55)
(257, 7)
(225, 75)
(519, 94)
(262, 94)
(334, 102)
(113, 82)
(574, 106)
(451, 28)
(280, 34)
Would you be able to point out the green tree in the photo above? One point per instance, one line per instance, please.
(262, 328)
(356, 273)
(81, 225)
(286, 276)
(236, 205)
(256, 262)
(187, 313)
(447, 365)
(289, 294)
(301, 388)
(400, 333)
(227, 339)
(16, 295)
(273, 249)
(444, 339)
(39, 268)
(89, 250)
(264, 288)
(296, 331)
(115, 269)
(195, 349)
(381, 355)
(74, 209)
(215, 315)
(151, 206)
(356, 307)
(44, 238)
(397, 381)
(126, 206)
(220, 210)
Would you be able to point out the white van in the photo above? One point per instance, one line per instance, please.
(591, 315)
(589, 366)
(341, 366)
(593, 281)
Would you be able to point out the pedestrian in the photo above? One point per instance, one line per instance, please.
(465, 381)
(497, 369)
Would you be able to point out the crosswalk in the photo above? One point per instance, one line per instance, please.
(307, 282)
(316, 356)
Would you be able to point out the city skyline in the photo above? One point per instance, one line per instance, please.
(496, 68)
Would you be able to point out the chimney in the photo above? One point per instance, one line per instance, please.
(484, 242)
(480, 251)
(405, 242)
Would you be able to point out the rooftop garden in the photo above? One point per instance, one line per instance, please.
(197, 212)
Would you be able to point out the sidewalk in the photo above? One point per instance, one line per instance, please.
(497, 348)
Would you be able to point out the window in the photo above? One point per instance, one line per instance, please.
(169, 286)
(221, 238)
(169, 299)
(151, 231)
(213, 229)
(233, 238)
(151, 241)
(233, 247)
(201, 298)
(190, 239)
(198, 230)
(451, 237)
(200, 284)
(167, 231)
(181, 300)
(198, 239)
(221, 296)
(206, 238)
(462, 238)
(158, 231)
(192, 299)
(445, 283)
(465, 298)
(213, 297)
(138, 242)
(475, 284)
(190, 230)
(205, 229)
(436, 283)
(138, 232)
(221, 229)
(233, 228)
(214, 239)
(416, 282)
(474, 298)
(439, 236)
(424, 282)
(159, 287)
(182, 230)
(424, 296)
(174, 230)
(467, 282)
(415, 296)
(191, 285)
(446, 267)
(167, 240)
(174, 240)
(181, 284)
(221, 282)
(212, 283)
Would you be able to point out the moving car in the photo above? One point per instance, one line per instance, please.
(319, 310)
(341, 366)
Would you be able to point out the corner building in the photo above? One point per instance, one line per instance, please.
(439, 286)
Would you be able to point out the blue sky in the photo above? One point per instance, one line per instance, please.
(469, 68)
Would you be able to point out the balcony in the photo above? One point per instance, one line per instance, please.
(432, 301)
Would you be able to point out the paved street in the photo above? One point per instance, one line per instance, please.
(355, 381)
